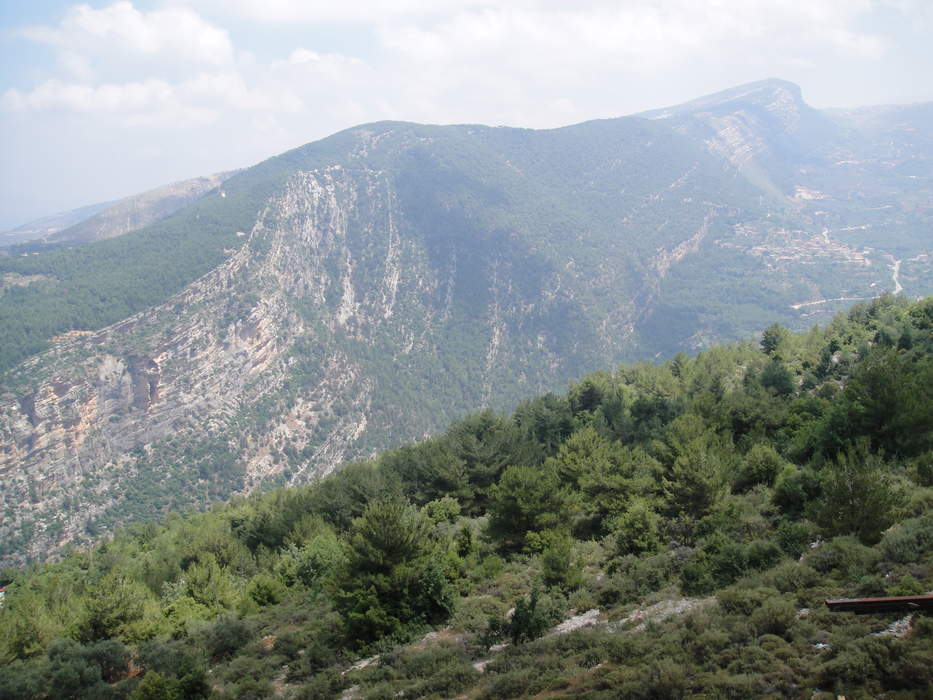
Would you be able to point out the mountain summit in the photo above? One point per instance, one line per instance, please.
(764, 129)
(780, 97)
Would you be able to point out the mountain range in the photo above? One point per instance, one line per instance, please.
(368, 288)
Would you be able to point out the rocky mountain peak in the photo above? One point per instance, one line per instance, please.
(780, 98)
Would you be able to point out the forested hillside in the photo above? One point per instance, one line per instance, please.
(370, 288)
(695, 515)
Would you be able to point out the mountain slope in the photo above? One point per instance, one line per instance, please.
(368, 304)
(657, 531)
(370, 287)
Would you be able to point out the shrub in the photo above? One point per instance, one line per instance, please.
(155, 686)
(794, 488)
(633, 578)
(636, 530)
(743, 601)
(559, 567)
(473, 613)
(773, 616)
(794, 536)
(846, 555)
(529, 621)
(908, 541)
(790, 577)
(859, 496)
(324, 686)
(763, 554)
(906, 585)
(696, 578)
(760, 465)
(265, 590)
(225, 636)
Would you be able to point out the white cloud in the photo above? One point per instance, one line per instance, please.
(642, 34)
(149, 103)
(356, 11)
(448, 61)
(188, 105)
(164, 68)
(120, 36)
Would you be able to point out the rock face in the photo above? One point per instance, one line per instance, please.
(280, 360)
(398, 276)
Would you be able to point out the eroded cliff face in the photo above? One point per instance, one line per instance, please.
(284, 360)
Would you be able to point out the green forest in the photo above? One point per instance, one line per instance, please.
(698, 513)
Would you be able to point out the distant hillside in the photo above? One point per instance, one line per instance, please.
(137, 211)
(371, 287)
(48, 225)
(111, 219)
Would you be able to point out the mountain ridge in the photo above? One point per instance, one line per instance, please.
(110, 219)
(370, 287)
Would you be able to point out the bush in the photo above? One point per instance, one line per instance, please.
(760, 465)
(155, 686)
(225, 636)
(845, 555)
(265, 590)
(253, 689)
(859, 496)
(633, 578)
(773, 616)
(739, 600)
(472, 614)
(559, 567)
(697, 577)
(794, 536)
(532, 618)
(324, 686)
(909, 541)
(791, 577)
(794, 488)
(636, 530)
(176, 662)
(763, 554)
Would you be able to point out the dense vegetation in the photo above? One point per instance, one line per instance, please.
(746, 484)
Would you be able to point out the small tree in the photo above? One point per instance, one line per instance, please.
(393, 576)
(559, 566)
(111, 607)
(636, 530)
(858, 495)
(525, 500)
(529, 621)
(774, 340)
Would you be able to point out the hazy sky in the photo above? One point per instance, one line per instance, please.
(106, 99)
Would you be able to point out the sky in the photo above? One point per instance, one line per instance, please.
(102, 100)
